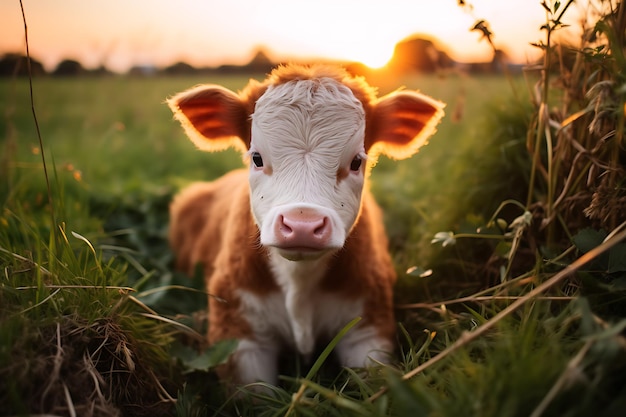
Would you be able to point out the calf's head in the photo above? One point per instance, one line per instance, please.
(309, 135)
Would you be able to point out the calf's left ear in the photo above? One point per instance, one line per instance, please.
(400, 123)
(213, 117)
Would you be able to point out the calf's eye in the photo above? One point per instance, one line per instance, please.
(355, 165)
(257, 160)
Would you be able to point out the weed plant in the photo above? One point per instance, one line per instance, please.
(512, 217)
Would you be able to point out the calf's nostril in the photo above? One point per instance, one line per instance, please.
(284, 227)
(321, 229)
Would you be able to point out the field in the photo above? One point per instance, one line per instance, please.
(95, 322)
(114, 137)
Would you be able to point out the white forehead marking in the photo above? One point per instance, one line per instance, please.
(317, 121)
(307, 133)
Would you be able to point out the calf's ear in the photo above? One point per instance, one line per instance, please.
(213, 117)
(400, 123)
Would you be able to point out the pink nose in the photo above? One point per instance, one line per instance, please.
(303, 229)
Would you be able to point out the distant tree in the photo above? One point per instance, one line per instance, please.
(417, 54)
(17, 64)
(260, 62)
(143, 71)
(498, 64)
(180, 68)
(100, 71)
(69, 68)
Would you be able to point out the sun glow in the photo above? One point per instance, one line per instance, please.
(212, 33)
(373, 57)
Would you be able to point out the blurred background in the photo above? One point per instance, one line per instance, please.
(144, 35)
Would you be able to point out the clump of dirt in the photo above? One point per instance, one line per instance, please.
(84, 369)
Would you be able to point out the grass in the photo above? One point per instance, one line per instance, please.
(520, 312)
(117, 159)
(99, 123)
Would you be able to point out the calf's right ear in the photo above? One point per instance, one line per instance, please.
(214, 118)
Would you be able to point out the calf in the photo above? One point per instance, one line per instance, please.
(293, 248)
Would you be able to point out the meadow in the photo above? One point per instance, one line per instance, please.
(114, 137)
(499, 315)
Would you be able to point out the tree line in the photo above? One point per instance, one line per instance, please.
(414, 54)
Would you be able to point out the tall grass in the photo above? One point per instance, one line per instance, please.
(575, 156)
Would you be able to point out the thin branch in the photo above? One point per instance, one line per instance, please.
(569, 371)
(32, 106)
(477, 299)
(81, 287)
(27, 260)
(468, 337)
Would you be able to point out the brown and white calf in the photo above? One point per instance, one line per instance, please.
(294, 246)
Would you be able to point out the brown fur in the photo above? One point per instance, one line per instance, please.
(212, 225)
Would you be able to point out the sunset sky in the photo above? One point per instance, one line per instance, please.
(121, 34)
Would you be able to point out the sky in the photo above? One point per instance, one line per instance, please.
(120, 34)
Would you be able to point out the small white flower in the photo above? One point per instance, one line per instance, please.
(445, 238)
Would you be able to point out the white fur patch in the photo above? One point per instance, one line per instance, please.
(300, 313)
(307, 132)
(362, 347)
(256, 361)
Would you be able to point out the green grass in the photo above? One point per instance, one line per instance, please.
(117, 134)
(86, 122)
(94, 296)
